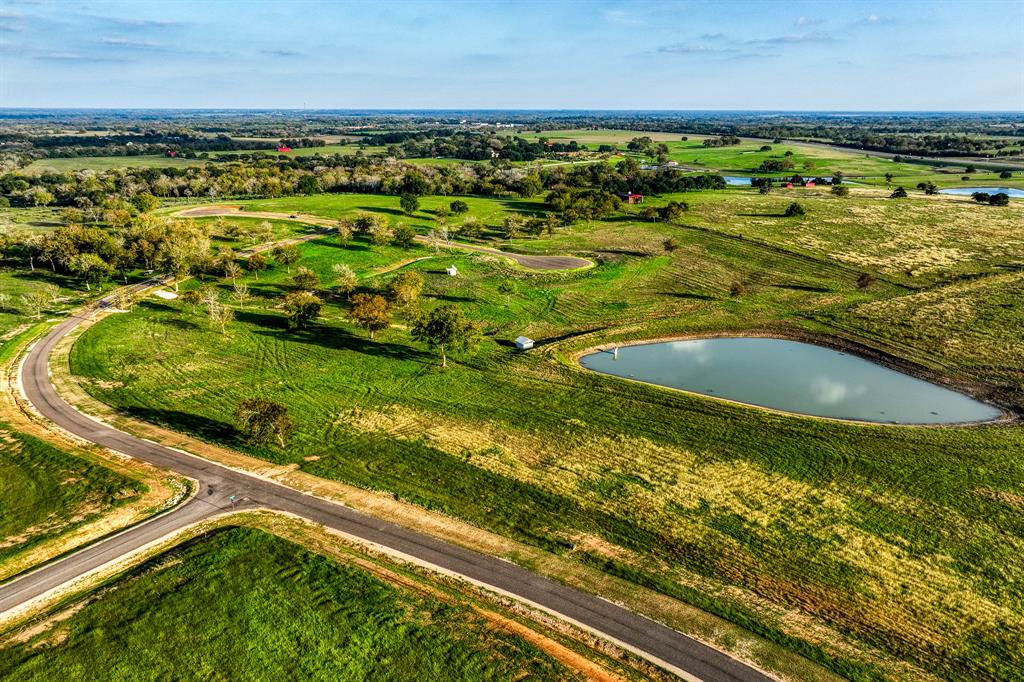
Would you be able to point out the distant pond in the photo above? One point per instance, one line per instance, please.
(793, 377)
(745, 181)
(968, 191)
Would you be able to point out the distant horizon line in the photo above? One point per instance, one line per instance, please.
(6, 111)
(513, 110)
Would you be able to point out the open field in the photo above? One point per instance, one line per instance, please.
(326, 150)
(859, 546)
(915, 241)
(47, 492)
(243, 604)
(100, 163)
(746, 157)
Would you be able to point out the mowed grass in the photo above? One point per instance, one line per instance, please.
(102, 163)
(848, 543)
(244, 605)
(47, 492)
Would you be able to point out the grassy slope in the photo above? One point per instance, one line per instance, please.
(243, 604)
(907, 541)
(46, 491)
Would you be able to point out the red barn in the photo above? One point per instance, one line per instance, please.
(811, 183)
(789, 185)
(284, 150)
(171, 153)
(632, 198)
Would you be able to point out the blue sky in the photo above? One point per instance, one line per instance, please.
(854, 55)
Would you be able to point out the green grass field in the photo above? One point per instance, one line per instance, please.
(243, 604)
(858, 546)
(47, 492)
(102, 163)
(746, 158)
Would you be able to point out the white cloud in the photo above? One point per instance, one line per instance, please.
(127, 42)
(622, 18)
(808, 21)
(828, 391)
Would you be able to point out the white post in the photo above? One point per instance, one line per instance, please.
(615, 353)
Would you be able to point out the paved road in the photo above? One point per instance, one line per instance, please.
(534, 262)
(217, 484)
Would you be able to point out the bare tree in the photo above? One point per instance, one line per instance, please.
(34, 303)
(220, 315)
(52, 291)
(240, 293)
(232, 270)
(345, 279)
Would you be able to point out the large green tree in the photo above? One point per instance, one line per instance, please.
(263, 422)
(445, 328)
(372, 312)
(301, 308)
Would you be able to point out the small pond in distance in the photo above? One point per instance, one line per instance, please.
(793, 377)
(968, 191)
(745, 181)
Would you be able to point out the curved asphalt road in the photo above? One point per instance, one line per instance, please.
(221, 488)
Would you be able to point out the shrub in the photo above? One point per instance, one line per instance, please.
(794, 210)
(410, 204)
(301, 308)
(404, 236)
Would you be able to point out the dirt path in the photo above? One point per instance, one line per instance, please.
(532, 262)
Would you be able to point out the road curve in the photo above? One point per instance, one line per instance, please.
(221, 487)
(533, 262)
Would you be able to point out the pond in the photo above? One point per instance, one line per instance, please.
(744, 181)
(793, 377)
(968, 191)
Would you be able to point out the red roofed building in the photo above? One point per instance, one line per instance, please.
(632, 198)
(284, 149)
(170, 152)
(811, 183)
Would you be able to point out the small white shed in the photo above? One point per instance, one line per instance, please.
(524, 343)
(452, 270)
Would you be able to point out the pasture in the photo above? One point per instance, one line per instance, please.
(873, 550)
(102, 163)
(243, 604)
(48, 492)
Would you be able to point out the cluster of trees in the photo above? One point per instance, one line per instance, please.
(626, 176)
(721, 141)
(586, 204)
(673, 210)
(185, 144)
(471, 146)
(95, 255)
(997, 199)
(141, 188)
(775, 165)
